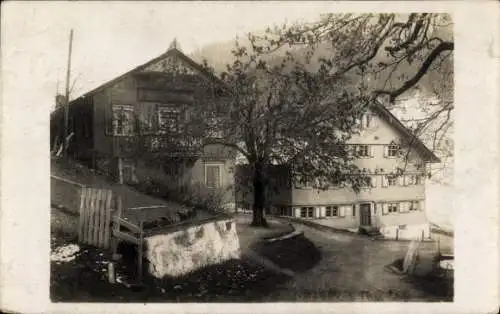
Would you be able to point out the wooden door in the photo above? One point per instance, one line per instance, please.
(365, 214)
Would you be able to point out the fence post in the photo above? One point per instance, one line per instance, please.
(116, 227)
(82, 214)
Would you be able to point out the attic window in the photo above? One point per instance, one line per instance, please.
(366, 121)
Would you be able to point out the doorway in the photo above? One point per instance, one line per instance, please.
(365, 214)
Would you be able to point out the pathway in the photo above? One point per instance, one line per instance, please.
(351, 268)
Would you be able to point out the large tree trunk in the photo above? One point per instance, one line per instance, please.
(258, 197)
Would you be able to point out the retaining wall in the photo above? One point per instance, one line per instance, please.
(182, 250)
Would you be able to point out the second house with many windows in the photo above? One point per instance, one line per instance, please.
(393, 200)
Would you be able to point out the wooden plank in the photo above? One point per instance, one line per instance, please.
(148, 207)
(116, 225)
(107, 224)
(83, 192)
(97, 217)
(88, 199)
(102, 218)
(126, 237)
(93, 194)
(130, 226)
(140, 250)
(102, 215)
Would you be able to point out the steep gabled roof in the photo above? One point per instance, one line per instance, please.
(173, 51)
(410, 138)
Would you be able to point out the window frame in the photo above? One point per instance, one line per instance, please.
(332, 211)
(414, 206)
(171, 109)
(365, 148)
(396, 208)
(128, 109)
(220, 181)
(393, 150)
(310, 212)
(303, 212)
(391, 178)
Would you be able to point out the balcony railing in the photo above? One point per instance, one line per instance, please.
(156, 144)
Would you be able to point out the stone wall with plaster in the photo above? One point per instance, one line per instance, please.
(183, 251)
(407, 232)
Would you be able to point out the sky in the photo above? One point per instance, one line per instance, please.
(114, 37)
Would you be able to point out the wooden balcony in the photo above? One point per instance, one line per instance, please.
(157, 145)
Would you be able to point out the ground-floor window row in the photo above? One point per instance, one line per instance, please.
(343, 210)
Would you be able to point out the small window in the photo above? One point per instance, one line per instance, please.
(303, 212)
(123, 120)
(392, 180)
(332, 211)
(213, 176)
(414, 206)
(362, 151)
(354, 210)
(393, 150)
(310, 212)
(419, 179)
(169, 118)
(366, 121)
(393, 207)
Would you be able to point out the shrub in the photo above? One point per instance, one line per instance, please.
(197, 195)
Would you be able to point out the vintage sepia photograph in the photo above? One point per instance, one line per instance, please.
(300, 158)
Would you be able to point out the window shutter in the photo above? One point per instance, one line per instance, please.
(108, 117)
(406, 207)
(372, 150)
(342, 211)
(374, 181)
(406, 180)
(137, 123)
(385, 209)
(379, 208)
(384, 181)
(401, 180)
(386, 151)
(422, 205)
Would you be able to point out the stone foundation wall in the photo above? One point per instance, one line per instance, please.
(180, 252)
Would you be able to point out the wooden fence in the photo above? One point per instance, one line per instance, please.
(101, 223)
(95, 217)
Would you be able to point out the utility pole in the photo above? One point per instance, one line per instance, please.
(66, 95)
